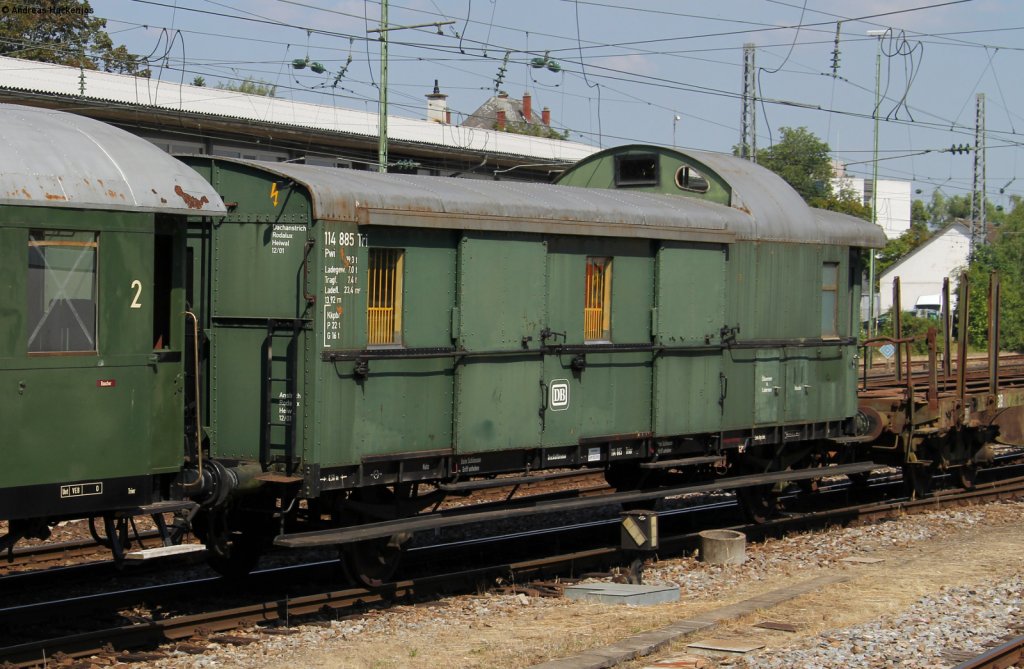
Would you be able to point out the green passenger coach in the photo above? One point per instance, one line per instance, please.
(92, 337)
(370, 332)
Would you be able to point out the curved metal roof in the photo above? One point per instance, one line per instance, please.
(778, 211)
(857, 232)
(370, 198)
(54, 159)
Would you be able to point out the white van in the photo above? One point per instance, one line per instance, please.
(928, 306)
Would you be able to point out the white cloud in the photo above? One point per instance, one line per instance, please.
(633, 64)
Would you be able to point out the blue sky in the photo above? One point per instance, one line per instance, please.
(626, 70)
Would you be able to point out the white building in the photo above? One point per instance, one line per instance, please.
(893, 200)
(921, 271)
(198, 119)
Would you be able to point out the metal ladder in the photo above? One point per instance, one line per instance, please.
(281, 401)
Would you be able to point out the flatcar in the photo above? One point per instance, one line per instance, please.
(92, 332)
(371, 339)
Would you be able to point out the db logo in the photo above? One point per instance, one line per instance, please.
(559, 395)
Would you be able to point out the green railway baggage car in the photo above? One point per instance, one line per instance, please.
(370, 333)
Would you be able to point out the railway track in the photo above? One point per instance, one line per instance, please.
(1009, 654)
(71, 550)
(65, 563)
(272, 615)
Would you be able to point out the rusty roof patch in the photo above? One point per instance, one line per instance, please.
(191, 201)
(55, 159)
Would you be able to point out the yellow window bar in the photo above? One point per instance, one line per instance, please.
(597, 300)
(384, 299)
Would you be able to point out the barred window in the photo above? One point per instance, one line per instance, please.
(636, 170)
(62, 297)
(830, 299)
(597, 305)
(384, 297)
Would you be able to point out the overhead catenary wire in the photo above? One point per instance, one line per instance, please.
(730, 94)
(327, 32)
(622, 85)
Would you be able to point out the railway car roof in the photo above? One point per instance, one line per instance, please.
(376, 199)
(370, 198)
(55, 159)
(779, 213)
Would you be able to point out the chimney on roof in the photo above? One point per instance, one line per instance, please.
(545, 116)
(501, 119)
(437, 105)
(527, 108)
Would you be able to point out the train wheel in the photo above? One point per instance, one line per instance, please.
(230, 551)
(859, 480)
(968, 474)
(624, 477)
(372, 562)
(759, 503)
(235, 558)
(917, 480)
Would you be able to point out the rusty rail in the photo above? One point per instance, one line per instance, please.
(109, 642)
(1006, 655)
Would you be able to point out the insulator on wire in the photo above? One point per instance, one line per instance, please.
(835, 50)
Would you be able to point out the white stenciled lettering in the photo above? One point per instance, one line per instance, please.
(281, 236)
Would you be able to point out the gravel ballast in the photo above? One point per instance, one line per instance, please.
(943, 581)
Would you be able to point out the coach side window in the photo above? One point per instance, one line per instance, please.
(62, 291)
(830, 299)
(384, 297)
(690, 179)
(597, 303)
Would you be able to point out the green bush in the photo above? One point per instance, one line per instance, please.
(914, 326)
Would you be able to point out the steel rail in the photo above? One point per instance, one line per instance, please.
(278, 611)
(48, 552)
(1005, 655)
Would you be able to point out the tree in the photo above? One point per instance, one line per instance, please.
(895, 249)
(252, 87)
(803, 161)
(1005, 254)
(64, 32)
(534, 129)
(943, 210)
(844, 202)
(918, 213)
